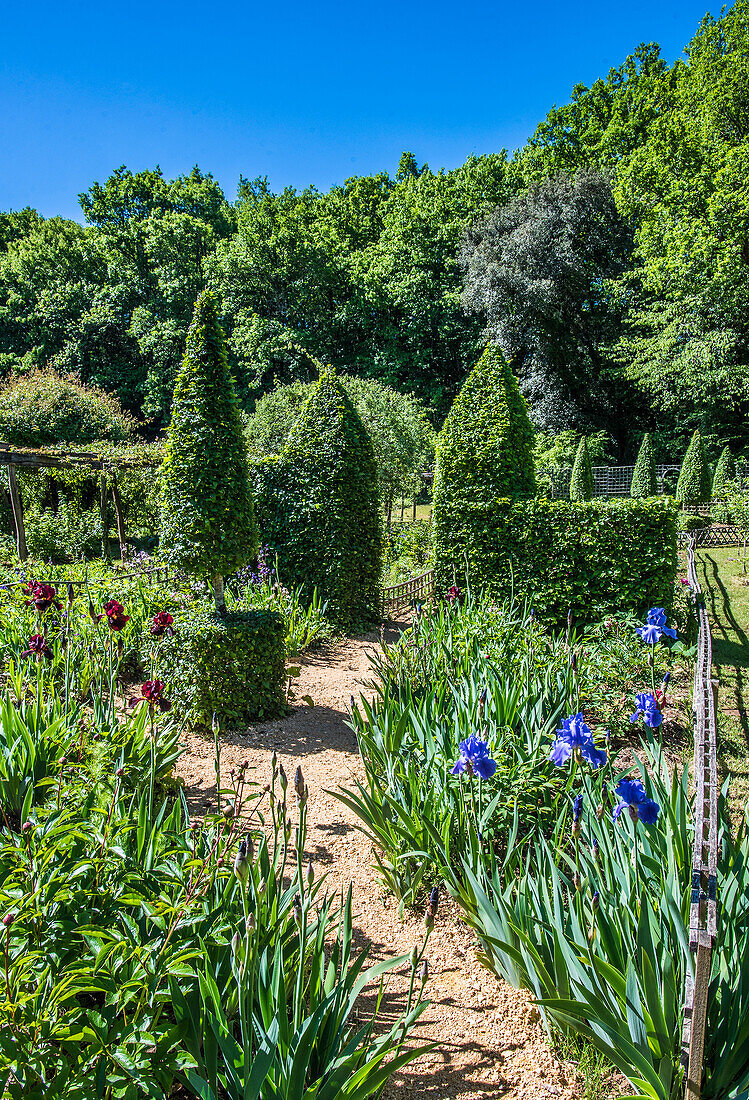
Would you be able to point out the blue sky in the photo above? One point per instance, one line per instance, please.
(303, 93)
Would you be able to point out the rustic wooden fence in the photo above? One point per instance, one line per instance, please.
(416, 590)
(706, 537)
(703, 910)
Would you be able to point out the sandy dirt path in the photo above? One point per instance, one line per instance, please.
(490, 1043)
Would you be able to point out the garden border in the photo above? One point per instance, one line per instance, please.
(703, 907)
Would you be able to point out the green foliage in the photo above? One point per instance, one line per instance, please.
(560, 448)
(592, 557)
(402, 438)
(43, 407)
(67, 534)
(694, 478)
(725, 474)
(688, 521)
(208, 526)
(485, 448)
(408, 550)
(581, 485)
(318, 507)
(644, 480)
(231, 665)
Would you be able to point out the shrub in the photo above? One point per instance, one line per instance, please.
(65, 535)
(318, 507)
(694, 482)
(581, 485)
(208, 527)
(43, 408)
(725, 473)
(591, 557)
(230, 665)
(687, 521)
(485, 448)
(644, 480)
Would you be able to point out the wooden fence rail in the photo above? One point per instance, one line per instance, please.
(398, 596)
(703, 910)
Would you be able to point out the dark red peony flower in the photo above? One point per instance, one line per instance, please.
(38, 647)
(42, 596)
(162, 624)
(116, 617)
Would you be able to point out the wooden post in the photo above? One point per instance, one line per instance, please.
(15, 500)
(693, 1089)
(104, 516)
(413, 514)
(117, 501)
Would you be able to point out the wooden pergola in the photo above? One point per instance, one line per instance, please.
(103, 468)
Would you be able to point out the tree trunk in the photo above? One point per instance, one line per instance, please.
(217, 584)
(413, 514)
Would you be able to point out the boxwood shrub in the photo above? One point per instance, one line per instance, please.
(317, 506)
(230, 665)
(589, 557)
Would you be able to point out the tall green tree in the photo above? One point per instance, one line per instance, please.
(208, 526)
(644, 480)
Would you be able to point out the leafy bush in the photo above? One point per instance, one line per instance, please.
(66, 535)
(229, 665)
(694, 483)
(589, 557)
(725, 474)
(43, 408)
(644, 480)
(208, 527)
(318, 508)
(688, 521)
(581, 485)
(408, 550)
(485, 448)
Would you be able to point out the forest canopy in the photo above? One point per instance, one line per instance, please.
(609, 257)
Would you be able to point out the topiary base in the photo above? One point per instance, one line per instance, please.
(231, 666)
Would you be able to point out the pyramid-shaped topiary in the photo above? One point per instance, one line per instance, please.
(485, 448)
(484, 454)
(644, 480)
(694, 484)
(207, 525)
(725, 472)
(581, 485)
(318, 505)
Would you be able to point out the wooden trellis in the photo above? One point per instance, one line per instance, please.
(104, 469)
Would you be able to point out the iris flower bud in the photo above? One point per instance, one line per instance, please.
(434, 900)
(310, 874)
(414, 957)
(300, 787)
(241, 866)
(282, 778)
(424, 971)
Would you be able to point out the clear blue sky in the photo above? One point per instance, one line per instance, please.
(303, 93)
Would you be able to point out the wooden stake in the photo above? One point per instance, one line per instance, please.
(104, 517)
(117, 501)
(693, 1089)
(15, 500)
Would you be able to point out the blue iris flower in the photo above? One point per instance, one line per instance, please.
(633, 798)
(577, 807)
(656, 616)
(574, 739)
(648, 709)
(474, 759)
(650, 633)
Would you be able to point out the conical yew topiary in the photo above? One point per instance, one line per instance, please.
(694, 484)
(207, 524)
(644, 480)
(581, 485)
(725, 472)
(485, 448)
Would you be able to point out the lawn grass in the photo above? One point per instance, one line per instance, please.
(726, 592)
(423, 511)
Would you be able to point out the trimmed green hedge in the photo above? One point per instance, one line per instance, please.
(232, 665)
(589, 557)
(695, 481)
(644, 475)
(581, 483)
(317, 506)
(725, 473)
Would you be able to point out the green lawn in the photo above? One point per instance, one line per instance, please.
(726, 591)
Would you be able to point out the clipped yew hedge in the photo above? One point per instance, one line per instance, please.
(590, 557)
(317, 506)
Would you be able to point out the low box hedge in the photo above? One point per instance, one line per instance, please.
(588, 557)
(232, 666)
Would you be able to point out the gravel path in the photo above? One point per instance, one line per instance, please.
(490, 1043)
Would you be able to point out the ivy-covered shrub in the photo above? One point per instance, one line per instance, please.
(229, 665)
(581, 484)
(644, 479)
(590, 557)
(207, 523)
(43, 408)
(318, 509)
(695, 482)
(485, 448)
(725, 474)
